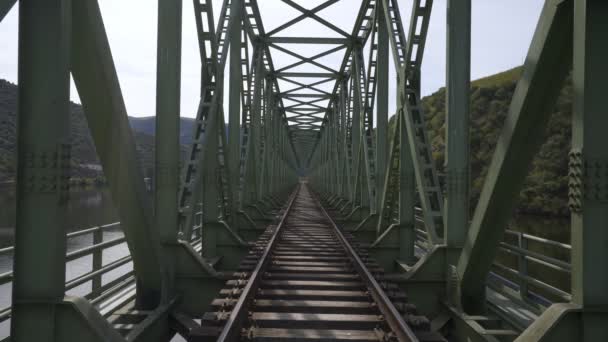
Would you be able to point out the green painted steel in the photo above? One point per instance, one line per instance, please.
(104, 108)
(370, 175)
(234, 100)
(457, 127)
(383, 79)
(167, 144)
(407, 197)
(44, 165)
(588, 158)
(5, 7)
(544, 72)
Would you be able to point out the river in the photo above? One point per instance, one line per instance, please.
(86, 208)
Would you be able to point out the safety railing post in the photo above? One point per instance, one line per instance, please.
(97, 260)
(522, 265)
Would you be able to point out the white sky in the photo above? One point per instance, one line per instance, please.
(502, 31)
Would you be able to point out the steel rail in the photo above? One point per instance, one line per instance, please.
(402, 331)
(232, 329)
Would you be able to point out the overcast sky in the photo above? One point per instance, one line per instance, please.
(502, 31)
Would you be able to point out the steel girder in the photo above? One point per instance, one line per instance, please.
(107, 119)
(167, 143)
(544, 72)
(330, 135)
(374, 184)
(74, 37)
(44, 157)
(584, 319)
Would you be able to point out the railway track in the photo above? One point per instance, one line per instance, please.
(305, 280)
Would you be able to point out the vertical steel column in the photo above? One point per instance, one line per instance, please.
(256, 125)
(346, 165)
(355, 133)
(274, 131)
(589, 163)
(234, 103)
(97, 260)
(407, 184)
(534, 98)
(335, 164)
(43, 167)
(264, 132)
(382, 106)
(167, 144)
(457, 115)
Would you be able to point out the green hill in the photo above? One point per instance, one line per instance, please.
(546, 188)
(504, 78)
(147, 125)
(85, 163)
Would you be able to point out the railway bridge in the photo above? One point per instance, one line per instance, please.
(300, 211)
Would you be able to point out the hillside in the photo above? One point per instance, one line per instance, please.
(147, 125)
(546, 188)
(84, 158)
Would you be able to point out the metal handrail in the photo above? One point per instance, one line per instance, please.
(520, 276)
(539, 239)
(98, 269)
(11, 249)
(89, 276)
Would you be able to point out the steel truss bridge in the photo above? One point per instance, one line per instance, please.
(308, 218)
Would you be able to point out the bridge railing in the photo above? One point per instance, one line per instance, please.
(523, 273)
(99, 291)
(98, 269)
(536, 277)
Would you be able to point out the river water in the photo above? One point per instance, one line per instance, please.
(86, 208)
(94, 207)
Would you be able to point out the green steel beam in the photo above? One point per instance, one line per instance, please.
(107, 118)
(457, 118)
(356, 140)
(167, 145)
(310, 86)
(407, 192)
(346, 166)
(5, 7)
(310, 60)
(43, 167)
(255, 27)
(302, 95)
(202, 169)
(302, 16)
(306, 74)
(362, 30)
(589, 162)
(210, 186)
(315, 17)
(544, 72)
(383, 80)
(235, 101)
(311, 103)
(585, 318)
(250, 175)
(307, 40)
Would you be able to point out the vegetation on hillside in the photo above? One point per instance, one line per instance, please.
(546, 187)
(85, 163)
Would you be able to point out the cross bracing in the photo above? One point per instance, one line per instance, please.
(306, 218)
